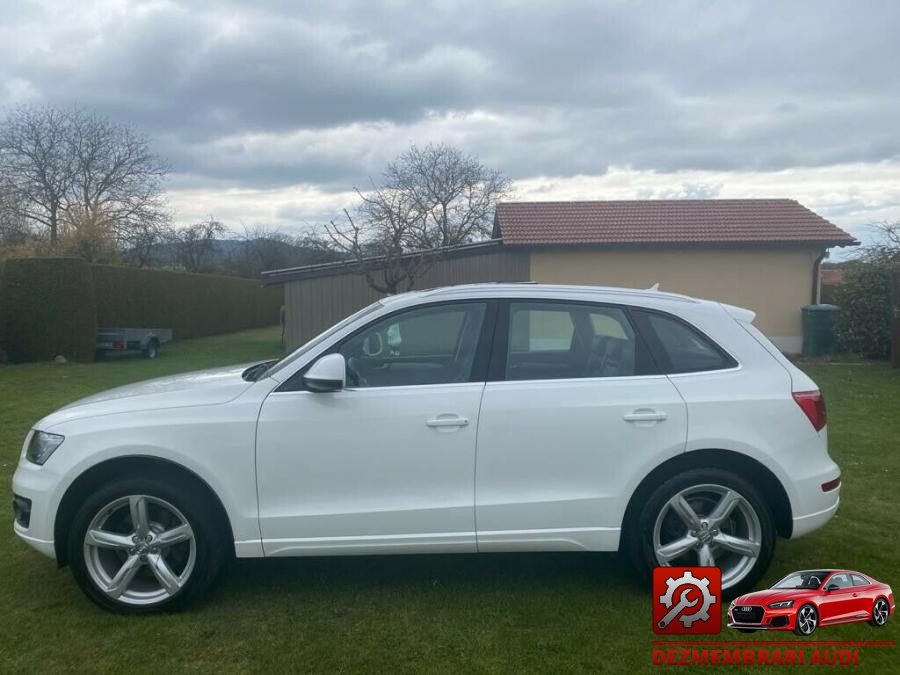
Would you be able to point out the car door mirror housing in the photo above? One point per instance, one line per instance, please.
(832, 587)
(329, 373)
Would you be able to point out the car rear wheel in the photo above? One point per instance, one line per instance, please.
(880, 613)
(807, 620)
(141, 545)
(706, 518)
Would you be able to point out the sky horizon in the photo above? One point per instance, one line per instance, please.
(271, 116)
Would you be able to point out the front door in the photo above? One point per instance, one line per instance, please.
(387, 464)
(573, 415)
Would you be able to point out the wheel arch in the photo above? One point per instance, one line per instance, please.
(749, 468)
(141, 465)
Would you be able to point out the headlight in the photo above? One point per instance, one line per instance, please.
(733, 602)
(42, 445)
(781, 605)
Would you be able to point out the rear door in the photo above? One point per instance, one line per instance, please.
(572, 416)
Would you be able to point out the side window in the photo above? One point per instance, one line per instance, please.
(859, 581)
(431, 345)
(684, 348)
(842, 580)
(563, 341)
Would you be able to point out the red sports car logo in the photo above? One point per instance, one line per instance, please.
(803, 601)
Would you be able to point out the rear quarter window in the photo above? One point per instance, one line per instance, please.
(679, 347)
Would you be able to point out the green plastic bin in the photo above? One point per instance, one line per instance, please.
(819, 338)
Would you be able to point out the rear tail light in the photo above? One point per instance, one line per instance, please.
(813, 404)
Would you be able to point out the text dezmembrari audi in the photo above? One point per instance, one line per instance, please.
(491, 417)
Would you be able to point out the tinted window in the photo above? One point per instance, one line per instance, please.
(841, 580)
(560, 341)
(683, 348)
(859, 581)
(811, 579)
(432, 345)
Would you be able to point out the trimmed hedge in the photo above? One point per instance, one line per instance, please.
(47, 308)
(192, 305)
(52, 306)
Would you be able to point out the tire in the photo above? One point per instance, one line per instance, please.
(880, 612)
(748, 523)
(189, 566)
(152, 349)
(812, 612)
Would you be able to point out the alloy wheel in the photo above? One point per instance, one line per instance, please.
(140, 550)
(709, 525)
(807, 619)
(880, 611)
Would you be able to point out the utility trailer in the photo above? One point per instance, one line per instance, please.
(147, 340)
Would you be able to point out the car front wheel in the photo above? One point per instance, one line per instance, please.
(706, 518)
(142, 545)
(807, 620)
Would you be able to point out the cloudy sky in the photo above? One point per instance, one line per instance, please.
(271, 111)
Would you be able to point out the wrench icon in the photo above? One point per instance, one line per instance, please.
(680, 605)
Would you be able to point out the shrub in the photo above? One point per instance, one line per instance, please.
(193, 305)
(47, 308)
(864, 322)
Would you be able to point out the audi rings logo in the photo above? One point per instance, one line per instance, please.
(686, 600)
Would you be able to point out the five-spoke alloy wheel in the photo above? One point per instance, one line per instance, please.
(705, 518)
(143, 545)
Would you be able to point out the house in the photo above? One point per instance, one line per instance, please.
(763, 254)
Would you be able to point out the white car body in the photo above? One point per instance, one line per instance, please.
(546, 464)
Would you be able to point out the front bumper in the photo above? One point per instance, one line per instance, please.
(773, 619)
(39, 485)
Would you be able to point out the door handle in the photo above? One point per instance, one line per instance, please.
(855, 594)
(443, 421)
(644, 416)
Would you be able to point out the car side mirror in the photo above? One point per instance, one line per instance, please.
(329, 373)
(832, 587)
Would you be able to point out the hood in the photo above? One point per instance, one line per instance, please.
(202, 387)
(774, 595)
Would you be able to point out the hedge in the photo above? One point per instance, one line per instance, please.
(864, 321)
(53, 306)
(47, 308)
(192, 305)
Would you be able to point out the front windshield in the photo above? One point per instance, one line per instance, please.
(321, 337)
(811, 579)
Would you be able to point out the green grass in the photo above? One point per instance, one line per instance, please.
(490, 613)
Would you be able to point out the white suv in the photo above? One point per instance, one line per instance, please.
(494, 417)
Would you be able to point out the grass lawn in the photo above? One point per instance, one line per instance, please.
(490, 613)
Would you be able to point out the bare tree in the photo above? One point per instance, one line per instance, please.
(886, 247)
(117, 173)
(194, 247)
(56, 160)
(430, 199)
(382, 242)
(15, 229)
(454, 194)
(36, 164)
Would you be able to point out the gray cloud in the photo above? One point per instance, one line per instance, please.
(279, 93)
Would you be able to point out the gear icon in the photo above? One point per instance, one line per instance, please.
(688, 579)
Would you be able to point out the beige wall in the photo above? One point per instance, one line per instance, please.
(775, 283)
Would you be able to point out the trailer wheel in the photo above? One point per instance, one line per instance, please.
(152, 349)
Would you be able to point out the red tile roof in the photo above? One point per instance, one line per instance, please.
(664, 222)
